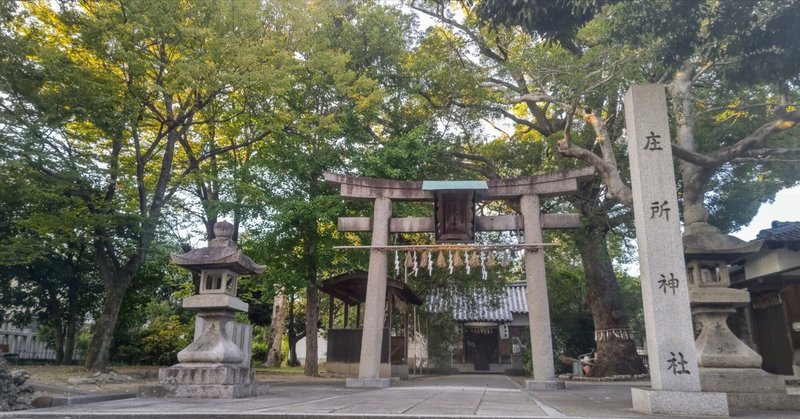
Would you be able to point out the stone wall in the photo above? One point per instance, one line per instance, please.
(14, 394)
(8, 391)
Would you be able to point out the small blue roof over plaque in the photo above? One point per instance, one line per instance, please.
(445, 185)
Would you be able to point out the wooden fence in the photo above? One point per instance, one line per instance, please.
(22, 344)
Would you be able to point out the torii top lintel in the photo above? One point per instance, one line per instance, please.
(548, 184)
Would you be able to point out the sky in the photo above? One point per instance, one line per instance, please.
(785, 208)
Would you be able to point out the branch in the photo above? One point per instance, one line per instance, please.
(111, 188)
(431, 102)
(693, 157)
(192, 166)
(521, 121)
(499, 84)
(140, 185)
(759, 136)
(104, 265)
(602, 138)
(234, 146)
(507, 114)
(477, 169)
(765, 155)
(500, 47)
(489, 170)
(531, 100)
(739, 108)
(700, 71)
(620, 219)
(611, 177)
(187, 148)
(607, 166)
(608, 78)
(535, 98)
(482, 47)
(500, 130)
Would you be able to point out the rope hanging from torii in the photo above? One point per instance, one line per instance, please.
(468, 256)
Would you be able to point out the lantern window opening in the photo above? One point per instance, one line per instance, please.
(219, 281)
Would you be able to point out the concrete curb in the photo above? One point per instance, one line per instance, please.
(42, 402)
(242, 415)
(454, 397)
(55, 389)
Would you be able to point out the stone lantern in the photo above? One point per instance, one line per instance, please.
(211, 366)
(726, 363)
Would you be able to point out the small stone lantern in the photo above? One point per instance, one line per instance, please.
(210, 366)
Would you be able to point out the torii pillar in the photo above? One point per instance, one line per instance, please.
(544, 374)
(369, 365)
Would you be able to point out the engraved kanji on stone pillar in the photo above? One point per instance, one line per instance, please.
(668, 322)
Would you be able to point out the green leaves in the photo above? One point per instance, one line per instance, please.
(751, 40)
(551, 20)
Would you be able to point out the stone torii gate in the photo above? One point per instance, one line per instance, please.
(526, 190)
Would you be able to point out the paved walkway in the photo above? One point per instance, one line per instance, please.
(456, 396)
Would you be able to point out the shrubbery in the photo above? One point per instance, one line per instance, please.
(158, 342)
(259, 354)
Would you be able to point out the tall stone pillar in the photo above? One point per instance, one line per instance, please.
(544, 377)
(674, 374)
(369, 366)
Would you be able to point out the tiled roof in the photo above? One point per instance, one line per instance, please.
(781, 231)
(480, 305)
(516, 293)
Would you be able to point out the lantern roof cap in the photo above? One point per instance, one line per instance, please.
(439, 185)
(221, 253)
(717, 246)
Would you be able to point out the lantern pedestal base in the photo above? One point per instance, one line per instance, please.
(749, 388)
(214, 381)
(688, 403)
(532, 385)
(368, 382)
(213, 346)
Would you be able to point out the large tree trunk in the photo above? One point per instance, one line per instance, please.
(616, 349)
(72, 321)
(292, 336)
(103, 336)
(276, 329)
(312, 318)
(694, 178)
(310, 243)
(293, 339)
(69, 341)
(58, 342)
(58, 324)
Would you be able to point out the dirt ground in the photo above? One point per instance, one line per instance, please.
(74, 379)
